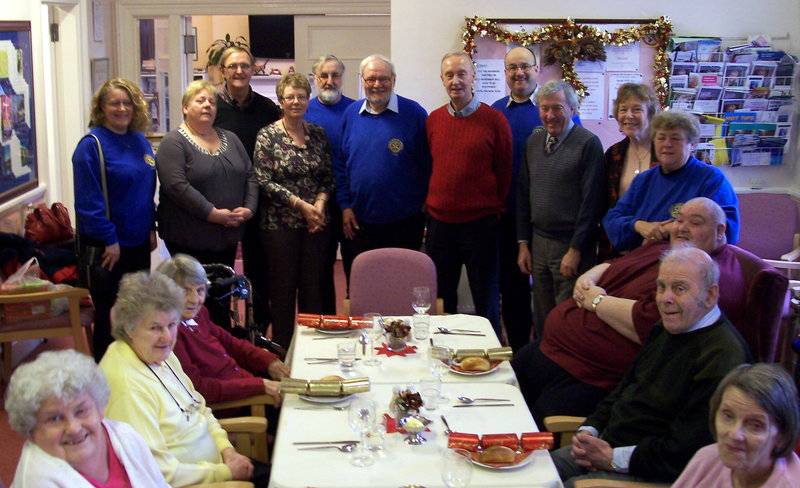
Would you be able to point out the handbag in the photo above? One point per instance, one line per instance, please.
(90, 256)
(48, 225)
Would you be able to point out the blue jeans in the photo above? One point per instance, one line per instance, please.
(472, 244)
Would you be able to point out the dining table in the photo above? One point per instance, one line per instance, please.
(312, 343)
(400, 464)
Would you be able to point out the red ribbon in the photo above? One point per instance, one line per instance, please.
(384, 349)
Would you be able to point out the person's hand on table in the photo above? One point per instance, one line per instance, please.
(591, 452)
(273, 389)
(241, 467)
(277, 369)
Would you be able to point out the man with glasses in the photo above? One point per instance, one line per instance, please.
(382, 174)
(326, 110)
(523, 116)
(471, 151)
(560, 200)
(244, 112)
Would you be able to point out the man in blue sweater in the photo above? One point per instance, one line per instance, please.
(523, 116)
(383, 172)
(326, 110)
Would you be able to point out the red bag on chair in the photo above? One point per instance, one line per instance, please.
(48, 225)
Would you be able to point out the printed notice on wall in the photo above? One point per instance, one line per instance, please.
(593, 104)
(622, 58)
(490, 83)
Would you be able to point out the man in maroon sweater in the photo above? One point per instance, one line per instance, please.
(471, 151)
(590, 339)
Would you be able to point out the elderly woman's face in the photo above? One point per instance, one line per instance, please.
(746, 435)
(294, 102)
(201, 109)
(70, 429)
(672, 148)
(154, 337)
(195, 296)
(632, 118)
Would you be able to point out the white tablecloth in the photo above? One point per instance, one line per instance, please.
(403, 464)
(399, 369)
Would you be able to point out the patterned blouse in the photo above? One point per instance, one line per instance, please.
(284, 169)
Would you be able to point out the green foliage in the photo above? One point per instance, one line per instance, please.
(217, 47)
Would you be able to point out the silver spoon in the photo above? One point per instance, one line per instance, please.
(363, 339)
(468, 400)
(344, 448)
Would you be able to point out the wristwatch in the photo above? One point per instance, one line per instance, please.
(596, 301)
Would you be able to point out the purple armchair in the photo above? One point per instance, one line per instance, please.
(382, 279)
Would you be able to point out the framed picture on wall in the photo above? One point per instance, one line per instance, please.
(99, 70)
(18, 160)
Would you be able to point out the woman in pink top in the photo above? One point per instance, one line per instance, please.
(754, 418)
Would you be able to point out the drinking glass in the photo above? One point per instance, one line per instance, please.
(361, 417)
(346, 353)
(421, 326)
(456, 468)
(374, 334)
(439, 360)
(430, 389)
(376, 439)
(421, 300)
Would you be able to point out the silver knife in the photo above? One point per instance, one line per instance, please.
(342, 336)
(306, 443)
(461, 334)
(485, 405)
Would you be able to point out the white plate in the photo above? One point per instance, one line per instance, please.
(523, 462)
(324, 399)
(474, 373)
(336, 331)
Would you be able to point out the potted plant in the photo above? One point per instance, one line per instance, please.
(214, 54)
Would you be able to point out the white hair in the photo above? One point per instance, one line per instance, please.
(139, 295)
(375, 57)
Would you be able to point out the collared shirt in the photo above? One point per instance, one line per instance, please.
(531, 99)
(226, 95)
(468, 110)
(392, 105)
(621, 457)
(561, 136)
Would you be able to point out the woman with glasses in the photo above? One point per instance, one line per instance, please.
(115, 181)
(208, 190)
(151, 392)
(293, 168)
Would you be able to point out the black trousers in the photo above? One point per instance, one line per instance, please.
(406, 233)
(255, 268)
(104, 285)
(295, 264)
(549, 389)
(337, 236)
(219, 310)
(515, 287)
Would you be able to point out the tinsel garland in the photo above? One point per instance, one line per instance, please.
(570, 42)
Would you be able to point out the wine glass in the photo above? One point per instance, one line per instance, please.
(374, 334)
(456, 468)
(421, 300)
(361, 417)
(439, 359)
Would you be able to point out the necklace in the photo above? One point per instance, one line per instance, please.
(193, 407)
(640, 158)
(302, 130)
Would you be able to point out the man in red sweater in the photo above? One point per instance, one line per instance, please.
(471, 151)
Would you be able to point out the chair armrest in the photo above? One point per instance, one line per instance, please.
(563, 423)
(346, 306)
(244, 402)
(604, 483)
(439, 309)
(780, 264)
(791, 255)
(246, 425)
(44, 295)
(224, 484)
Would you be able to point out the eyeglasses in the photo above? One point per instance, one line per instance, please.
(237, 66)
(381, 80)
(515, 67)
(329, 76)
(557, 109)
(292, 98)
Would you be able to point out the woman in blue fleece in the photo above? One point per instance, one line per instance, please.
(121, 228)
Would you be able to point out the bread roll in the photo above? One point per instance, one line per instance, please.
(475, 364)
(498, 454)
(332, 377)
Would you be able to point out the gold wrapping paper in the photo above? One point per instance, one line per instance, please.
(292, 385)
(499, 354)
(355, 385)
(324, 388)
(470, 353)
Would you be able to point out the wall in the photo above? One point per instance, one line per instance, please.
(212, 27)
(423, 30)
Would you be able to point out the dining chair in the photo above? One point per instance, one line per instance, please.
(381, 281)
(257, 405)
(69, 324)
